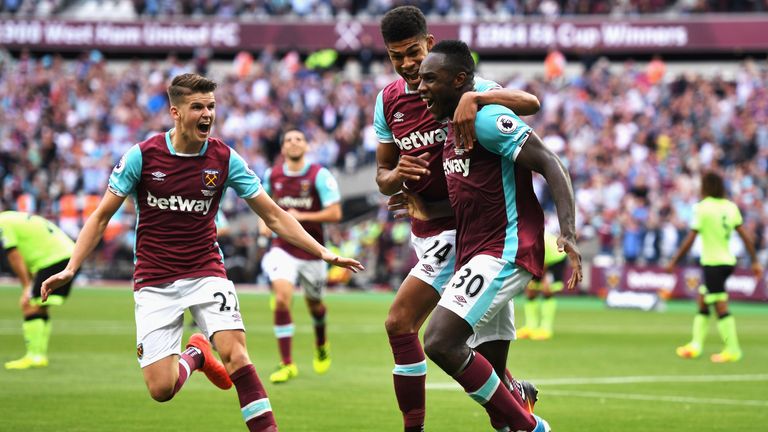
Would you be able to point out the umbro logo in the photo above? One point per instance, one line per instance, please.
(427, 268)
(399, 116)
(158, 176)
(459, 300)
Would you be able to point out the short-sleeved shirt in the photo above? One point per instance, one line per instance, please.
(39, 241)
(401, 118)
(311, 189)
(715, 219)
(497, 212)
(177, 198)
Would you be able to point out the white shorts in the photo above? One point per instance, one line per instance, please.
(437, 257)
(481, 293)
(160, 314)
(310, 274)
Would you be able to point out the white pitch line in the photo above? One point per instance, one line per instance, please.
(627, 380)
(652, 379)
(659, 398)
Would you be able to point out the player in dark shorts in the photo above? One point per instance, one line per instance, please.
(36, 249)
(714, 219)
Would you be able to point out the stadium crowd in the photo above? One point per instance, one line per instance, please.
(318, 9)
(635, 141)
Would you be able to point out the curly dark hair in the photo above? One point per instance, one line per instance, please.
(712, 185)
(403, 22)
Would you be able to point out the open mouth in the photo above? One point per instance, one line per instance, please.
(430, 103)
(411, 76)
(204, 127)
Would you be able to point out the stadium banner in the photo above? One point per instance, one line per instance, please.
(683, 283)
(721, 33)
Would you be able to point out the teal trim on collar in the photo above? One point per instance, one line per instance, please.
(294, 173)
(409, 91)
(173, 151)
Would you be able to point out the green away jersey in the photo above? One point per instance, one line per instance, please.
(40, 242)
(715, 219)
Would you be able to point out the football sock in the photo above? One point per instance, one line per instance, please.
(548, 309)
(483, 385)
(700, 330)
(409, 375)
(532, 313)
(34, 334)
(191, 360)
(254, 404)
(497, 419)
(319, 324)
(727, 327)
(46, 338)
(284, 334)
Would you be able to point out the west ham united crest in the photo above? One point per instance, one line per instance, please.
(210, 178)
(140, 351)
(305, 184)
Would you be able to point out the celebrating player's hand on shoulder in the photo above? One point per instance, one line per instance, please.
(348, 263)
(413, 167)
(568, 245)
(464, 121)
(52, 283)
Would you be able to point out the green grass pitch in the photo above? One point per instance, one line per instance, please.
(605, 371)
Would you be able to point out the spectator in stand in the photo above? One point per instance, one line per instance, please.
(612, 127)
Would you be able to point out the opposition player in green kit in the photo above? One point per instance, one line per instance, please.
(540, 314)
(715, 218)
(36, 249)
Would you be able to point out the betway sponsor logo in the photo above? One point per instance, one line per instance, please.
(418, 139)
(741, 284)
(650, 281)
(294, 202)
(460, 166)
(178, 203)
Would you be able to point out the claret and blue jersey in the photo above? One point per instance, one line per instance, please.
(402, 118)
(309, 190)
(497, 212)
(177, 197)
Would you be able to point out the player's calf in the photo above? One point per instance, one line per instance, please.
(212, 368)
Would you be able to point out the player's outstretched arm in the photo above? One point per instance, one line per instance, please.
(89, 237)
(392, 169)
(682, 250)
(288, 228)
(536, 157)
(522, 103)
(757, 269)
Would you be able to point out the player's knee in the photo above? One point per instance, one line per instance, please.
(282, 302)
(161, 393)
(399, 324)
(235, 360)
(437, 346)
